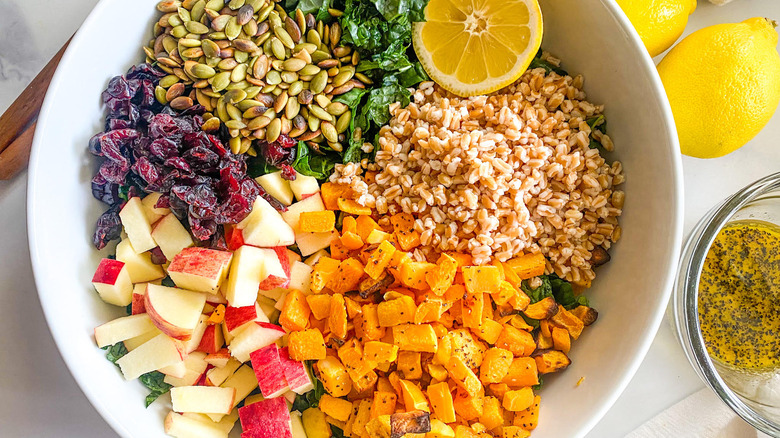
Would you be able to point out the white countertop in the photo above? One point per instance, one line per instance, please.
(38, 396)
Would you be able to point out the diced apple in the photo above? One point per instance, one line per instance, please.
(136, 225)
(135, 342)
(238, 316)
(177, 370)
(139, 290)
(200, 269)
(267, 304)
(174, 311)
(293, 256)
(266, 419)
(276, 186)
(293, 214)
(269, 371)
(295, 373)
(122, 329)
(274, 274)
(253, 337)
(310, 243)
(264, 227)
(297, 426)
(197, 334)
(280, 303)
(218, 376)
(312, 259)
(217, 298)
(304, 186)
(158, 352)
(226, 423)
(300, 277)
(203, 399)
(195, 364)
(153, 214)
(139, 265)
(179, 426)
(112, 282)
(254, 398)
(212, 340)
(243, 380)
(246, 273)
(290, 397)
(283, 254)
(219, 359)
(273, 294)
(171, 236)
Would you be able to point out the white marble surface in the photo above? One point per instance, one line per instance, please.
(38, 397)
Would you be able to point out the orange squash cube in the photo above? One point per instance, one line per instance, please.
(306, 345)
(295, 312)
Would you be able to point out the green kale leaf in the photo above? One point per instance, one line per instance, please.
(317, 165)
(156, 384)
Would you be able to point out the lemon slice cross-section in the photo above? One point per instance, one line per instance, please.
(473, 47)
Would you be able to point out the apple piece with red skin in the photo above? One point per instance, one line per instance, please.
(212, 340)
(310, 243)
(122, 329)
(243, 380)
(112, 282)
(197, 334)
(295, 373)
(139, 265)
(219, 359)
(171, 236)
(293, 214)
(218, 375)
(195, 365)
(269, 370)
(139, 290)
(300, 277)
(274, 274)
(200, 269)
(159, 352)
(253, 337)
(175, 312)
(284, 258)
(226, 424)
(304, 186)
(276, 186)
(203, 399)
(179, 426)
(264, 227)
(235, 317)
(136, 225)
(246, 273)
(234, 238)
(293, 256)
(177, 370)
(153, 214)
(268, 418)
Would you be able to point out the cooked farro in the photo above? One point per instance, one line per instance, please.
(499, 175)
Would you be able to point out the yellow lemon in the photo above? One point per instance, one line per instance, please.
(658, 22)
(723, 83)
(472, 47)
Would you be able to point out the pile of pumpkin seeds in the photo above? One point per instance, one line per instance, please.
(256, 69)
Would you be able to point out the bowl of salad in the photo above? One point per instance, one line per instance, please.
(354, 218)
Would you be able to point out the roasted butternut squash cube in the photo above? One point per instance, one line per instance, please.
(412, 337)
(441, 399)
(413, 274)
(543, 309)
(398, 311)
(437, 372)
(379, 427)
(379, 260)
(369, 323)
(481, 279)
(414, 399)
(337, 321)
(323, 270)
(346, 277)
(352, 207)
(465, 347)
(587, 315)
(551, 361)
(331, 192)
(351, 241)
(334, 376)
(495, 366)
(440, 430)
(409, 365)
(489, 331)
(519, 400)
(561, 339)
(492, 413)
(317, 221)
(362, 417)
(338, 251)
(465, 432)
(383, 403)
(375, 352)
(564, 318)
(528, 419)
(498, 390)
(472, 311)
(504, 294)
(467, 406)
(440, 279)
(411, 423)
(522, 372)
(463, 376)
(443, 351)
(403, 224)
(315, 423)
(319, 305)
(295, 312)
(519, 342)
(364, 225)
(306, 345)
(337, 408)
(527, 265)
(514, 432)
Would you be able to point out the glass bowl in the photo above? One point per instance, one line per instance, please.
(753, 396)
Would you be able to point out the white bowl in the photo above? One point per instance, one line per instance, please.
(592, 37)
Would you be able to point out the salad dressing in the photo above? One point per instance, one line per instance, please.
(739, 296)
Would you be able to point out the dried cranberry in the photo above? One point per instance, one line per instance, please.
(114, 172)
(144, 71)
(105, 191)
(164, 126)
(163, 148)
(108, 228)
(288, 172)
(157, 256)
(146, 170)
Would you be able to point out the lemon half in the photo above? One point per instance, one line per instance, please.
(472, 47)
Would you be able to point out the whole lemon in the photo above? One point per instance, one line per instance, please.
(723, 84)
(658, 22)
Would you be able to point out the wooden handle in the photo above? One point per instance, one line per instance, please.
(17, 124)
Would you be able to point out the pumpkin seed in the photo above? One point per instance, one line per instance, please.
(255, 111)
(270, 113)
(192, 52)
(181, 103)
(190, 42)
(333, 71)
(159, 94)
(276, 64)
(169, 80)
(251, 28)
(262, 29)
(233, 112)
(265, 99)
(294, 64)
(327, 63)
(305, 97)
(200, 71)
(198, 9)
(235, 124)
(309, 70)
(309, 135)
(363, 78)
(342, 124)
(292, 29)
(320, 113)
(240, 56)
(196, 27)
(245, 14)
(211, 93)
(258, 123)
(273, 77)
(174, 91)
(168, 62)
(236, 4)
(233, 29)
(217, 36)
(322, 100)
(284, 37)
(273, 19)
(187, 4)
(265, 12)
(303, 56)
(335, 12)
(239, 73)
(210, 48)
(215, 5)
(336, 146)
(251, 92)
(329, 132)
(238, 85)
(168, 6)
(342, 77)
(313, 122)
(179, 31)
(313, 37)
(280, 102)
(325, 34)
(336, 108)
(255, 4)
(184, 14)
(260, 69)
(318, 56)
(299, 122)
(235, 145)
(295, 88)
(343, 89)
(319, 82)
(273, 131)
(246, 104)
(149, 53)
(220, 23)
(311, 22)
(211, 124)
(227, 64)
(245, 45)
(288, 77)
(292, 108)
(234, 96)
(341, 51)
(277, 47)
(300, 20)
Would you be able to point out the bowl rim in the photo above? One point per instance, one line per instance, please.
(643, 344)
(685, 302)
